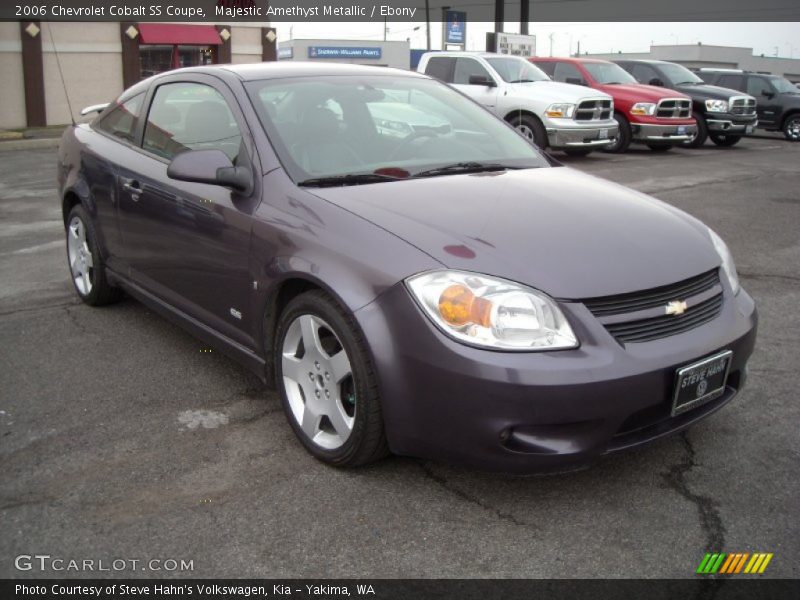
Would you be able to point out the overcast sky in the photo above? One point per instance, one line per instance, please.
(764, 38)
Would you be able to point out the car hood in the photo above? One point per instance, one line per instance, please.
(709, 92)
(566, 233)
(555, 91)
(640, 92)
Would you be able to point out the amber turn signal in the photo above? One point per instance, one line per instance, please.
(459, 306)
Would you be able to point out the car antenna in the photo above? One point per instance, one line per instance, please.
(60, 72)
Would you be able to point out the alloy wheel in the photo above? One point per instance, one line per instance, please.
(527, 132)
(792, 129)
(81, 263)
(318, 380)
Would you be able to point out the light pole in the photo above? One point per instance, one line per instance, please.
(551, 42)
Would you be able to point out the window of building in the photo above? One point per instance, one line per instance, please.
(190, 116)
(157, 58)
(120, 121)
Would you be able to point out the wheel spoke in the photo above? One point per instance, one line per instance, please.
(342, 423)
(75, 266)
(89, 259)
(87, 282)
(292, 368)
(310, 329)
(310, 422)
(340, 366)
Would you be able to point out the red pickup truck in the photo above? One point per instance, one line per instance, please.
(646, 114)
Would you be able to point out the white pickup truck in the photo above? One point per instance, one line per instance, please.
(561, 116)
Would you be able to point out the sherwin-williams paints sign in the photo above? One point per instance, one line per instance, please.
(344, 52)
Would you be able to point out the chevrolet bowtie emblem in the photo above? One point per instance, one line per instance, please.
(676, 307)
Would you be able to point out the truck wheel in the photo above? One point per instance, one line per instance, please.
(623, 137)
(791, 128)
(531, 129)
(660, 147)
(702, 133)
(725, 140)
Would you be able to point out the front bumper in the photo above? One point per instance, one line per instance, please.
(726, 123)
(538, 411)
(566, 133)
(662, 134)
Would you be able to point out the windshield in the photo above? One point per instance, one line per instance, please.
(516, 70)
(390, 127)
(608, 73)
(679, 74)
(783, 86)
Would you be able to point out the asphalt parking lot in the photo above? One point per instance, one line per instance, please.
(120, 438)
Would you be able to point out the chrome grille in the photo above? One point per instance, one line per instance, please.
(594, 110)
(674, 108)
(641, 316)
(743, 105)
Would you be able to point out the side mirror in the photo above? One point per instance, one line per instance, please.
(210, 166)
(481, 80)
(575, 81)
(656, 81)
(767, 93)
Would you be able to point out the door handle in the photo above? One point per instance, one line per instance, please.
(132, 187)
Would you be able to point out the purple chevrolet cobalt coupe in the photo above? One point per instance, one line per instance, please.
(410, 273)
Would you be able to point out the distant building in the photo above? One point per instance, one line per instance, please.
(98, 60)
(698, 56)
(360, 52)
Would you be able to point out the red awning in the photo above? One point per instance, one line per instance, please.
(167, 33)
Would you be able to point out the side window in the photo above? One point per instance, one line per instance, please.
(466, 68)
(120, 121)
(731, 81)
(756, 85)
(190, 116)
(643, 73)
(440, 67)
(567, 73)
(547, 66)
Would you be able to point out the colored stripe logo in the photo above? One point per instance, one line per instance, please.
(733, 563)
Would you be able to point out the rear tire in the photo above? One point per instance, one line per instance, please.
(85, 262)
(702, 133)
(327, 382)
(623, 137)
(791, 128)
(531, 129)
(660, 147)
(725, 141)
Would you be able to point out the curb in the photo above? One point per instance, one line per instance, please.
(29, 144)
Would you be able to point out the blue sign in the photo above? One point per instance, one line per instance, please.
(455, 27)
(285, 52)
(344, 52)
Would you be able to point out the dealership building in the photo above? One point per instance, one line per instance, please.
(698, 56)
(99, 60)
(380, 54)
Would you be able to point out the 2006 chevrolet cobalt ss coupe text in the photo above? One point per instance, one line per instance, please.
(412, 274)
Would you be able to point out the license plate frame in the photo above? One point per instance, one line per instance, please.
(706, 387)
(602, 134)
(749, 129)
(681, 129)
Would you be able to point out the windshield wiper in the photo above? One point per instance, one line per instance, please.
(463, 167)
(348, 179)
(523, 81)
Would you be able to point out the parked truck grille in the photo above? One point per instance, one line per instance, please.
(674, 108)
(593, 110)
(743, 106)
(646, 315)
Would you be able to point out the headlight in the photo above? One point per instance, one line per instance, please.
(716, 106)
(490, 312)
(560, 111)
(727, 261)
(643, 108)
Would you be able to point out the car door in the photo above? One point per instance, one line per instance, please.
(768, 104)
(467, 67)
(188, 243)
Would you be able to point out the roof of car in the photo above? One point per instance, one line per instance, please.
(580, 59)
(287, 69)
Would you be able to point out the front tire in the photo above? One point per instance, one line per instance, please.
(623, 138)
(327, 383)
(725, 141)
(791, 128)
(531, 129)
(85, 261)
(700, 136)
